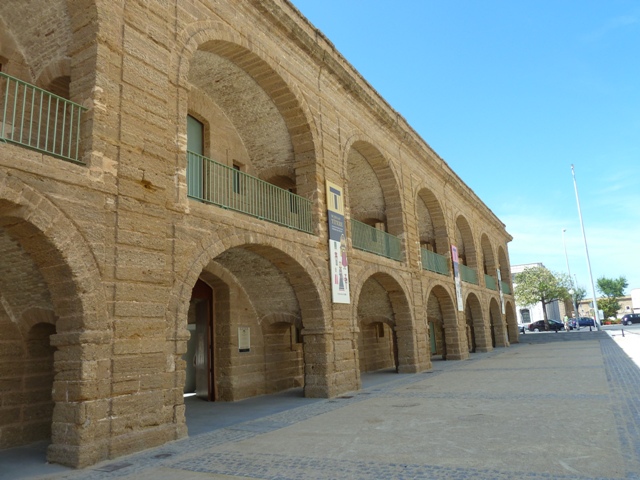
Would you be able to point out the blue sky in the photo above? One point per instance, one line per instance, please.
(510, 94)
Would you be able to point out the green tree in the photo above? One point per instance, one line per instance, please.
(611, 289)
(538, 284)
(579, 294)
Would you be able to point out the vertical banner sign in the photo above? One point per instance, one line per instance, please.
(500, 290)
(456, 277)
(337, 245)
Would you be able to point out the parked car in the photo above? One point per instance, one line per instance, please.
(630, 318)
(586, 322)
(554, 325)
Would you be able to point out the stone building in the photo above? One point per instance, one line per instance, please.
(164, 224)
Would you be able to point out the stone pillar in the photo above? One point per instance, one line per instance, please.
(319, 369)
(347, 362)
(81, 425)
(456, 337)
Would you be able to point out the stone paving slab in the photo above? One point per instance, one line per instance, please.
(573, 415)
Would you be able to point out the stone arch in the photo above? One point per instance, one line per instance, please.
(488, 257)
(397, 311)
(56, 77)
(27, 22)
(11, 56)
(442, 321)
(387, 205)
(34, 316)
(499, 334)
(432, 226)
(504, 266)
(83, 330)
(478, 335)
(273, 318)
(257, 62)
(310, 294)
(511, 322)
(465, 243)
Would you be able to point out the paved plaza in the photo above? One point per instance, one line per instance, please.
(557, 405)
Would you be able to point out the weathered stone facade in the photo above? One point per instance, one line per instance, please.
(121, 251)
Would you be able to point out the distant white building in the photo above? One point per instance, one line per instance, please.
(532, 313)
(635, 300)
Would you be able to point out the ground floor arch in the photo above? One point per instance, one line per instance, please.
(499, 333)
(247, 323)
(512, 322)
(477, 331)
(53, 330)
(442, 324)
(386, 336)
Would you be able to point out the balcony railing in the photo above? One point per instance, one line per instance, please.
(375, 241)
(490, 282)
(218, 184)
(433, 262)
(40, 120)
(505, 288)
(468, 274)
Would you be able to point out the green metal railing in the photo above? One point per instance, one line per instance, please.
(375, 241)
(433, 262)
(505, 288)
(226, 187)
(40, 120)
(490, 282)
(468, 274)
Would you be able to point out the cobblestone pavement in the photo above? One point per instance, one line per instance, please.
(562, 406)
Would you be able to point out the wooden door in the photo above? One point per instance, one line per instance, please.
(202, 295)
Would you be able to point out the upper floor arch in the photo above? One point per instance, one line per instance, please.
(504, 266)
(374, 199)
(257, 120)
(488, 257)
(432, 227)
(465, 242)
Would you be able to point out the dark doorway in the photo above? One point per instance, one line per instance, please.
(202, 311)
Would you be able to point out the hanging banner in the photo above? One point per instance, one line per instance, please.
(501, 294)
(337, 245)
(456, 277)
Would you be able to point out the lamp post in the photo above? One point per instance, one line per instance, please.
(573, 304)
(586, 249)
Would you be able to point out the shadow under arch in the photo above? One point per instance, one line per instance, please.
(478, 334)
(292, 296)
(512, 322)
(442, 321)
(488, 257)
(499, 335)
(220, 39)
(467, 254)
(70, 272)
(388, 183)
(382, 296)
(432, 229)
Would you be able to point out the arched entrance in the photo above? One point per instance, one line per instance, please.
(499, 334)
(442, 323)
(512, 322)
(478, 337)
(249, 312)
(52, 309)
(386, 339)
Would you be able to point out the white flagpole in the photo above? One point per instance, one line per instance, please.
(586, 249)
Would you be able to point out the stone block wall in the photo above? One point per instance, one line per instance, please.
(100, 258)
